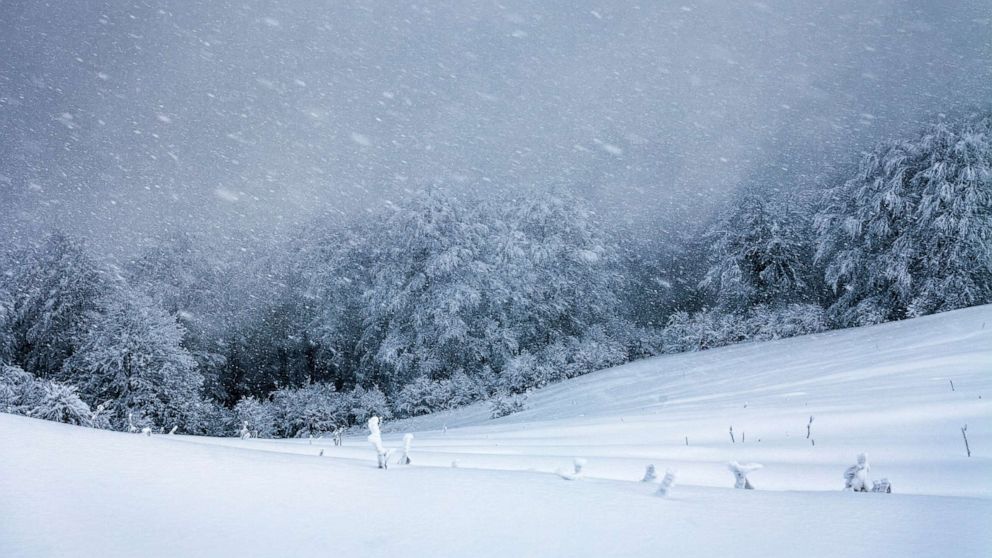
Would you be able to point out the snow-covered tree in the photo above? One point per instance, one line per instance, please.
(426, 291)
(131, 355)
(759, 254)
(911, 233)
(55, 285)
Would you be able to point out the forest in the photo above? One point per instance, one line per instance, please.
(444, 299)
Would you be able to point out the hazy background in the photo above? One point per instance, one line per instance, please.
(124, 122)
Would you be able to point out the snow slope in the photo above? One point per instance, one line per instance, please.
(884, 390)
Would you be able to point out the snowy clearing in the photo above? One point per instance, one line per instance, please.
(883, 390)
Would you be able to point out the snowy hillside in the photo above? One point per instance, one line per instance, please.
(885, 390)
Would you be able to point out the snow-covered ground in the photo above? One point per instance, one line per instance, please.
(884, 390)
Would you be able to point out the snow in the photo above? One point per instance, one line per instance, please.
(882, 390)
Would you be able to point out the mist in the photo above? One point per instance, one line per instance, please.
(239, 122)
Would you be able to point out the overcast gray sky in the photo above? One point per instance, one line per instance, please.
(124, 121)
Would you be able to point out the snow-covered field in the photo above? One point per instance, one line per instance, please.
(884, 390)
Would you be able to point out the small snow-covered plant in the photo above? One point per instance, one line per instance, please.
(650, 474)
(503, 404)
(375, 438)
(577, 472)
(666, 483)
(856, 476)
(407, 440)
(882, 486)
(245, 432)
(741, 471)
(147, 431)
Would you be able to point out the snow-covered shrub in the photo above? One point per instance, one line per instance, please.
(704, 330)
(595, 349)
(309, 410)
(710, 328)
(502, 404)
(740, 471)
(856, 476)
(365, 403)
(667, 483)
(257, 417)
(577, 472)
(22, 394)
(423, 396)
(780, 322)
(650, 474)
(464, 390)
(59, 403)
(525, 371)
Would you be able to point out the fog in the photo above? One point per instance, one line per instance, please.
(128, 122)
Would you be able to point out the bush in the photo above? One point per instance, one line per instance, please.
(423, 396)
(260, 416)
(709, 329)
(309, 410)
(767, 323)
(23, 394)
(502, 404)
(59, 403)
(704, 330)
(366, 403)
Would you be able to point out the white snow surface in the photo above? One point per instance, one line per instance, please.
(883, 390)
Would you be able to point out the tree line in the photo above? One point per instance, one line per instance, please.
(443, 299)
